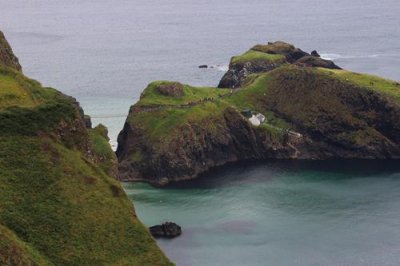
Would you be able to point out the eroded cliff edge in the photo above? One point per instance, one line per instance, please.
(60, 201)
(312, 110)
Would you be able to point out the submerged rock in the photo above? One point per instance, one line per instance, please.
(167, 230)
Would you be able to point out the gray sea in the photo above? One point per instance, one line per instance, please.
(104, 53)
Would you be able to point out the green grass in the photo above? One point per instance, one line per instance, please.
(18, 91)
(27, 108)
(151, 96)
(386, 86)
(13, 251)
(251, 56)
(65, 206)
(256, 93)
(59, 203)
(275, 48)
(160, 125)
(106, 158)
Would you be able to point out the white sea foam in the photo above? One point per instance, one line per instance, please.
(332, 56)
(219, 67)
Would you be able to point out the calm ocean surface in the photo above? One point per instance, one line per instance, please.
(104, 53)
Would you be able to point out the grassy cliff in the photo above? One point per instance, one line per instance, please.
(60, 203)
(312, 112)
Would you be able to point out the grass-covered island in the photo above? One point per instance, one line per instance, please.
(306, 107)
(60, 203)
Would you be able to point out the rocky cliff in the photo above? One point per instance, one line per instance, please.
(7, 57)
(60, 201)
(313, 110)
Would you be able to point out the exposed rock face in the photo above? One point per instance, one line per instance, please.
(193, 149)
(315, 53)
(238, 72)
(167, 230)
(313, 109)
(313, 61)
(7, 57)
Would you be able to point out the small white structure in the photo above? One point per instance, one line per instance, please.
(260, 117)
(257, 119)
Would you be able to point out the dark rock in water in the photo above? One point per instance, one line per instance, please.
(167, 230)
(174, 89)
(203, 66)
(315, 53)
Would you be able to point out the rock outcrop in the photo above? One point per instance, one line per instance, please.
(264, 58)
(60, 201)
(313, 110)
(7, 57)
(172, 89)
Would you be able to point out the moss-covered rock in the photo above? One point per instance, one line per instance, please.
(312, 112)
(60, 201)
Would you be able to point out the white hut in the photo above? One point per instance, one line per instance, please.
(254, 121)
(257, 119)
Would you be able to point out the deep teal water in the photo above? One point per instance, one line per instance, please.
(281, 213)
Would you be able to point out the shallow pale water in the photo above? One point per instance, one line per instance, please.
(104, 53)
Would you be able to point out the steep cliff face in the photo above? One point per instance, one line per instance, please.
(313, 110)
(60, 201)
(7, 57)
(191, 148)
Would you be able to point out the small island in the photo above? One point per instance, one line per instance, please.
(275, 102)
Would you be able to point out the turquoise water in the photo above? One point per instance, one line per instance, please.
(281, 213)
